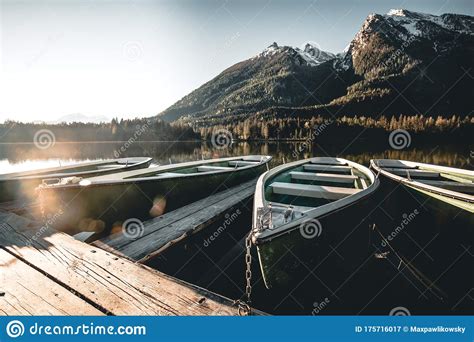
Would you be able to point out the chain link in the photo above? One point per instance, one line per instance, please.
(244, 307)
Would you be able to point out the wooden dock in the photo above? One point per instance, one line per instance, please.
(45, 272)
(162, 232)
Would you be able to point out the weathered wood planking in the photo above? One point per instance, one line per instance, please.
(21, 207)
(161, 232)
(25, 291)
(114, 285)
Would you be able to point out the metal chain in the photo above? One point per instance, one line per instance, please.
(248, 271)
(244, 306)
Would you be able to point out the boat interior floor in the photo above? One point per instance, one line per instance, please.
(434, 178)
(210, 168)
(315, 183)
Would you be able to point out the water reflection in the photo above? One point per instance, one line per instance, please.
(15, 157)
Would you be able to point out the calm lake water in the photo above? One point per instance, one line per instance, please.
(376, 288)
(19, 157)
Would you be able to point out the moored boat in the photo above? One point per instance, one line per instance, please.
(304, 211)
(105, 202)
(21, 185)
(448, 186)
(428, 221)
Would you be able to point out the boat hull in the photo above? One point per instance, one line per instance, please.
(342, 246)
(431, 217)
(432, 235)
(107, 206)
(22, 185)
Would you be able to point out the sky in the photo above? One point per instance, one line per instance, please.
(134, 58)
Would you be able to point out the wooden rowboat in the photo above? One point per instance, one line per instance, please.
(451, 186)
(303, 207)
(427, 218)
(21, 185)
(105, 202)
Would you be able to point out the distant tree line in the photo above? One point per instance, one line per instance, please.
(116, 130)
(344, 128)
(315, 129)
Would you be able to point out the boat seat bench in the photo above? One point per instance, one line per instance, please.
(106, 167)
(328, 168)
(328, 161)
(205, 168)
(413, 173)
(242, 163)
(169, 174)
(313, 191)
(325, 177)
(394, 164)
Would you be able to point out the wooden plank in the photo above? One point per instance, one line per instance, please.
(242, 163)
(213, 168)
(393, 163)
(25, 291)
(325, 177)
(328, 168)
(20, 206)
(363, 183)
(327, 161)
(115, 285)
(314, 191)
(169, 174)
(162, 232)
(413, 173)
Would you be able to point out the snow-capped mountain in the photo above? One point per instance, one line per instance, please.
(78, 117)
(402, 62)
(310, 55)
